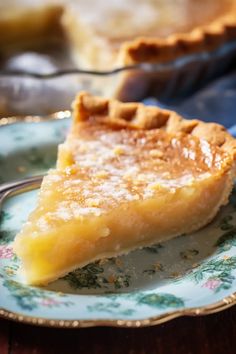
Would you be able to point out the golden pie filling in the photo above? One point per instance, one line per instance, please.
(116, 189)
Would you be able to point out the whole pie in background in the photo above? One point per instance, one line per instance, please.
(103, 35)
(106, 34)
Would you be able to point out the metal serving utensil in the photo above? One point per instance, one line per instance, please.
(20, 186)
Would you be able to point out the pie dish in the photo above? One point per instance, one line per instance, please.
(106, 35)
(127, 176)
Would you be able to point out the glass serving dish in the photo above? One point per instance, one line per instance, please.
(42, 79)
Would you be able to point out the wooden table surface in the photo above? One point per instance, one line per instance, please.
(207, 334)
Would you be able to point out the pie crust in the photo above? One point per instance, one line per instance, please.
(204, 38)
(139, 116)
(127, 176)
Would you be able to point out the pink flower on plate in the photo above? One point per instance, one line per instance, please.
(6, 252)
(212, 283)
(49, 302)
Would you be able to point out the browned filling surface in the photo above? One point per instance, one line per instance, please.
(108, 167)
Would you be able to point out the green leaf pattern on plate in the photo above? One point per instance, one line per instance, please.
(217, 273)
(29, 298)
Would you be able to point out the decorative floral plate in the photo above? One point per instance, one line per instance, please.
(190, 275)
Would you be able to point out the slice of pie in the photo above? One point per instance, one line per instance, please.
(127, 176)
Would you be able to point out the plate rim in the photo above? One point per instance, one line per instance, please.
(218, 306)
